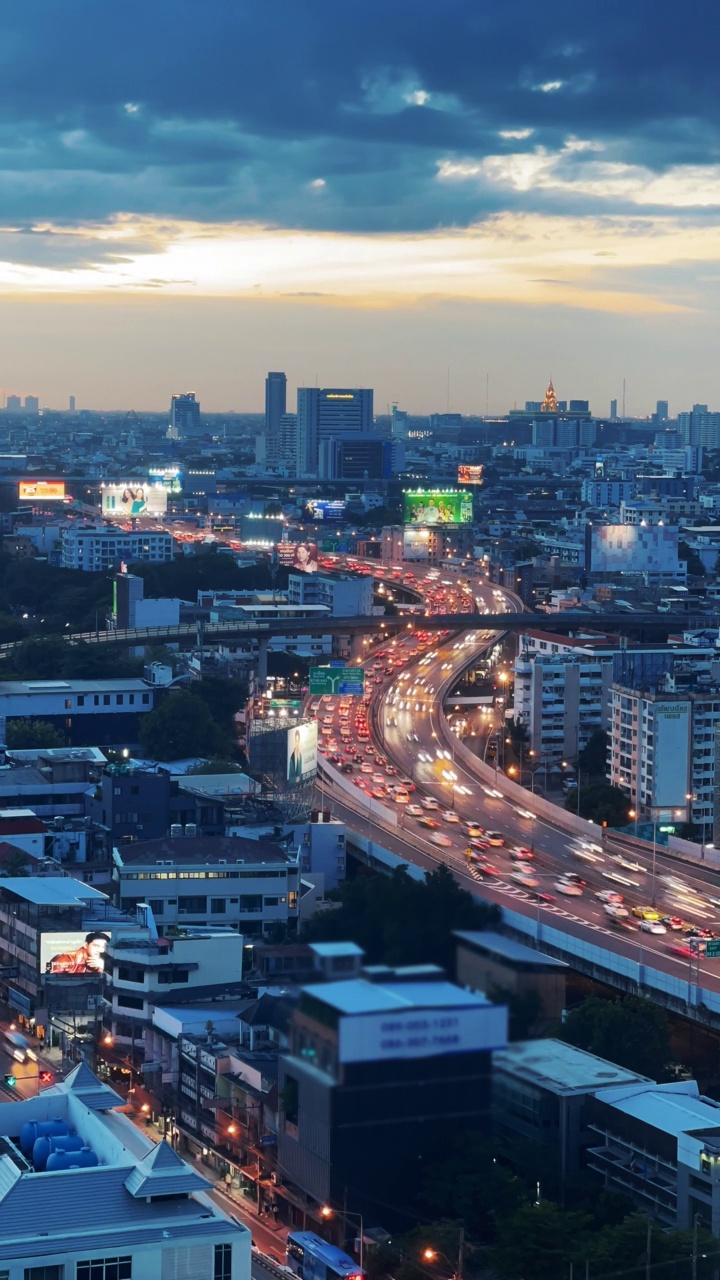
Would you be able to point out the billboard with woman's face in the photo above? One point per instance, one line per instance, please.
(302, 742)
(123, 501)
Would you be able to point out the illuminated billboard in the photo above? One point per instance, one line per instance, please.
(324, 509)
(298, 555)
(302, 753)
(75, 952)
(122, 501)
(469, 475)
(436, 506)
(41, 490)
(631, 548)
(169, 477)
(416, 544)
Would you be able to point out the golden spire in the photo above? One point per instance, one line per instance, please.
(550, 404)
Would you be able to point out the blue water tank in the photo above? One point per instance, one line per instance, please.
(83, 1159)
(40, 1129)
(44, 1147)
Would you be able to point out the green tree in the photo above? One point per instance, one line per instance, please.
(471, 1185)
(223, 698)
(524, 1009)
(26, 735)
(180, 726)
(631, 1031)
(600, 803)
(695, 566)
(399, 920)
(621, 1251)
(14, 861)
(539, 1241)
(593, 757)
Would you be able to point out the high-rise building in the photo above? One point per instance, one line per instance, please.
(14, 404)
(661, 410)
(613, 410)
(184, 415)
(288, 454)
(275, 405)
(32, 404)
(71, 404)
(327, 413)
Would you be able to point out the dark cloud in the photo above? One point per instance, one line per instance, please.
(230, 109)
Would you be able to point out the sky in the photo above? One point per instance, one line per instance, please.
(448, 200)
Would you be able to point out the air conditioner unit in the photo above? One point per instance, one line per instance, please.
(175, 830)
(191, 829)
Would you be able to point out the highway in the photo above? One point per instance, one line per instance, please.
(408, 733)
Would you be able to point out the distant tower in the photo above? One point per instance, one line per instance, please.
(72, 404)
(184, 416)
(613, 410)
(549, 404)
(275, 406)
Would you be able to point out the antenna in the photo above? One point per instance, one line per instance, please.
(447, 410)
(487, 394)
(623, 412)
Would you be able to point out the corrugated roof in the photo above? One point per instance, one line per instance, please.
(201, 850)
(107, 1241)
(507, 948)
(54, 891)
(673, 1108)
(356, 995)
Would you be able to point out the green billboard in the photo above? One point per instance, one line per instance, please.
(437, 506)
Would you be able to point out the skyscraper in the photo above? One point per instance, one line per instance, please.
(71, 404)
(14, 403)
(613, 410)
(275, 406)
(329, 413)
(184, 415)
(32, 404)
(661, 410)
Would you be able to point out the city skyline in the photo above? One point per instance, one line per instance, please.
(371, 199)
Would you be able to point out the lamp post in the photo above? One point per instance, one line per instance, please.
(430, 1255)
(328, 1212)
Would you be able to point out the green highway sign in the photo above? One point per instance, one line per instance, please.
(713, 948)
(337, 681)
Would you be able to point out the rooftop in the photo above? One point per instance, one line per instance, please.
(357, 995)
(200, 851)
(515, 953)
(54, 891)
(10, 688)
(561, 1068)
(675, 1108)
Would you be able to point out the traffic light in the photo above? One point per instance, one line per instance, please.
(10, 1079)
(46, 1077)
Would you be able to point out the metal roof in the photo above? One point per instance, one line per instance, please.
(357, 995)
(497, 944)
(673, 1108)
(561, 1068)
(53, 891)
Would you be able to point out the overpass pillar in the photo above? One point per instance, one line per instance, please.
(357, 648)
(262, 663)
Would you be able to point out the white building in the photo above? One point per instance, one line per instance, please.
(344, 597)
(607, 493)
(248, 885)
(561, 690)
(85, 712)
(85, 1195)
(93, 548)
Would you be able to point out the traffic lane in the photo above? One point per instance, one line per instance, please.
(574, 916)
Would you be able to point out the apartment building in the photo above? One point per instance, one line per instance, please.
(85, 712)
(561, 688)
(94, 548)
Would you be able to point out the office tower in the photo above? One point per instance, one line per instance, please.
(288, 451)
(184, 415)
(329, 413)
(398, 423)
(275, 405)
(661, 409)
(71, 405)
(32, 404)
(613, 409)
(14, 404)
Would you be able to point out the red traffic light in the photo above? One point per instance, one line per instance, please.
(46, 1077)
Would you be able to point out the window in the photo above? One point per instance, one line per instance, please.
(106, 699)
(125, 1001)
(190, 904)
(146, 699)
(105, 1269)
(118, 699)
(217, 906)
(223, 1262)
(56, 1271)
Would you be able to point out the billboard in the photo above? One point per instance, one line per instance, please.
(469, 475)
(422, 1033)
(41, 490)
(169, 477)
(343, 681)
(631, 548)
(671, 725)
(122, 501)
(324, 509)
(75, 952)
(298, 555)
(436, 506)
(302, 753)
(416, 544)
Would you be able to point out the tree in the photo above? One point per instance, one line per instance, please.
(631, 1031)
(620, 1250)
(14, 861)
(518, 731)
(214, 766)
(181, 726)
(524, 1009)
(223, 698)
(593, 757)
(600, 803)
(26, 735)
(695, 566)
(539, 1242)
(399, 920)
(471, 1185)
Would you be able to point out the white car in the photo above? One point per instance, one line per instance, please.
(569, 888)
(523, 878)
(652, 926)
(444, 842)
(429, 802)
(609, 895)
(615, 911)
(450, 816)
(415, 810)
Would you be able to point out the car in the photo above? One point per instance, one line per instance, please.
(401, 797)
(652, 926)
(408, 784)
(525, 852)
(627, 863)
(378, 780)
(390, 769)
(415, 810)
(443, 842)
(646, 913)
(495, 838)
(675, 923)
(473, 830)
(609, 895)
(366, 768)
(450, 816)
(379, 793)
(569, 888)
(573, 875)
(481, 845)
(542, 896)
(521, 855)
(682, 949)
(429, 802)
(525, 879)
(615, 910)
(430, 824)
(347, 767)
(698, 931)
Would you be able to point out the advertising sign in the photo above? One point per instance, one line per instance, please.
(169, 477)
(343, 681)
(671, 724)
(422, 1033)
(302, 753)
(123, 501)
(631, 548)
(436, 506)
(75, 952)
(324, 509)
(302, 556)
(41, 490)
(416, 544)
(469, 475)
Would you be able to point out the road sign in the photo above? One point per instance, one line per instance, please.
(713, 948)
(337, 681)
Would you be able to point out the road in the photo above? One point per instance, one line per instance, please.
(408, 733)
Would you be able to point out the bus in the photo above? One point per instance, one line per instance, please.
(314, 1259)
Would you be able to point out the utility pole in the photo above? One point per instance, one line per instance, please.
(461, 1254)
(696, 1220)
(648, 1249)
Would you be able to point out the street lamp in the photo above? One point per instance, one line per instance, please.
(328, 1212)
(431, 1255)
